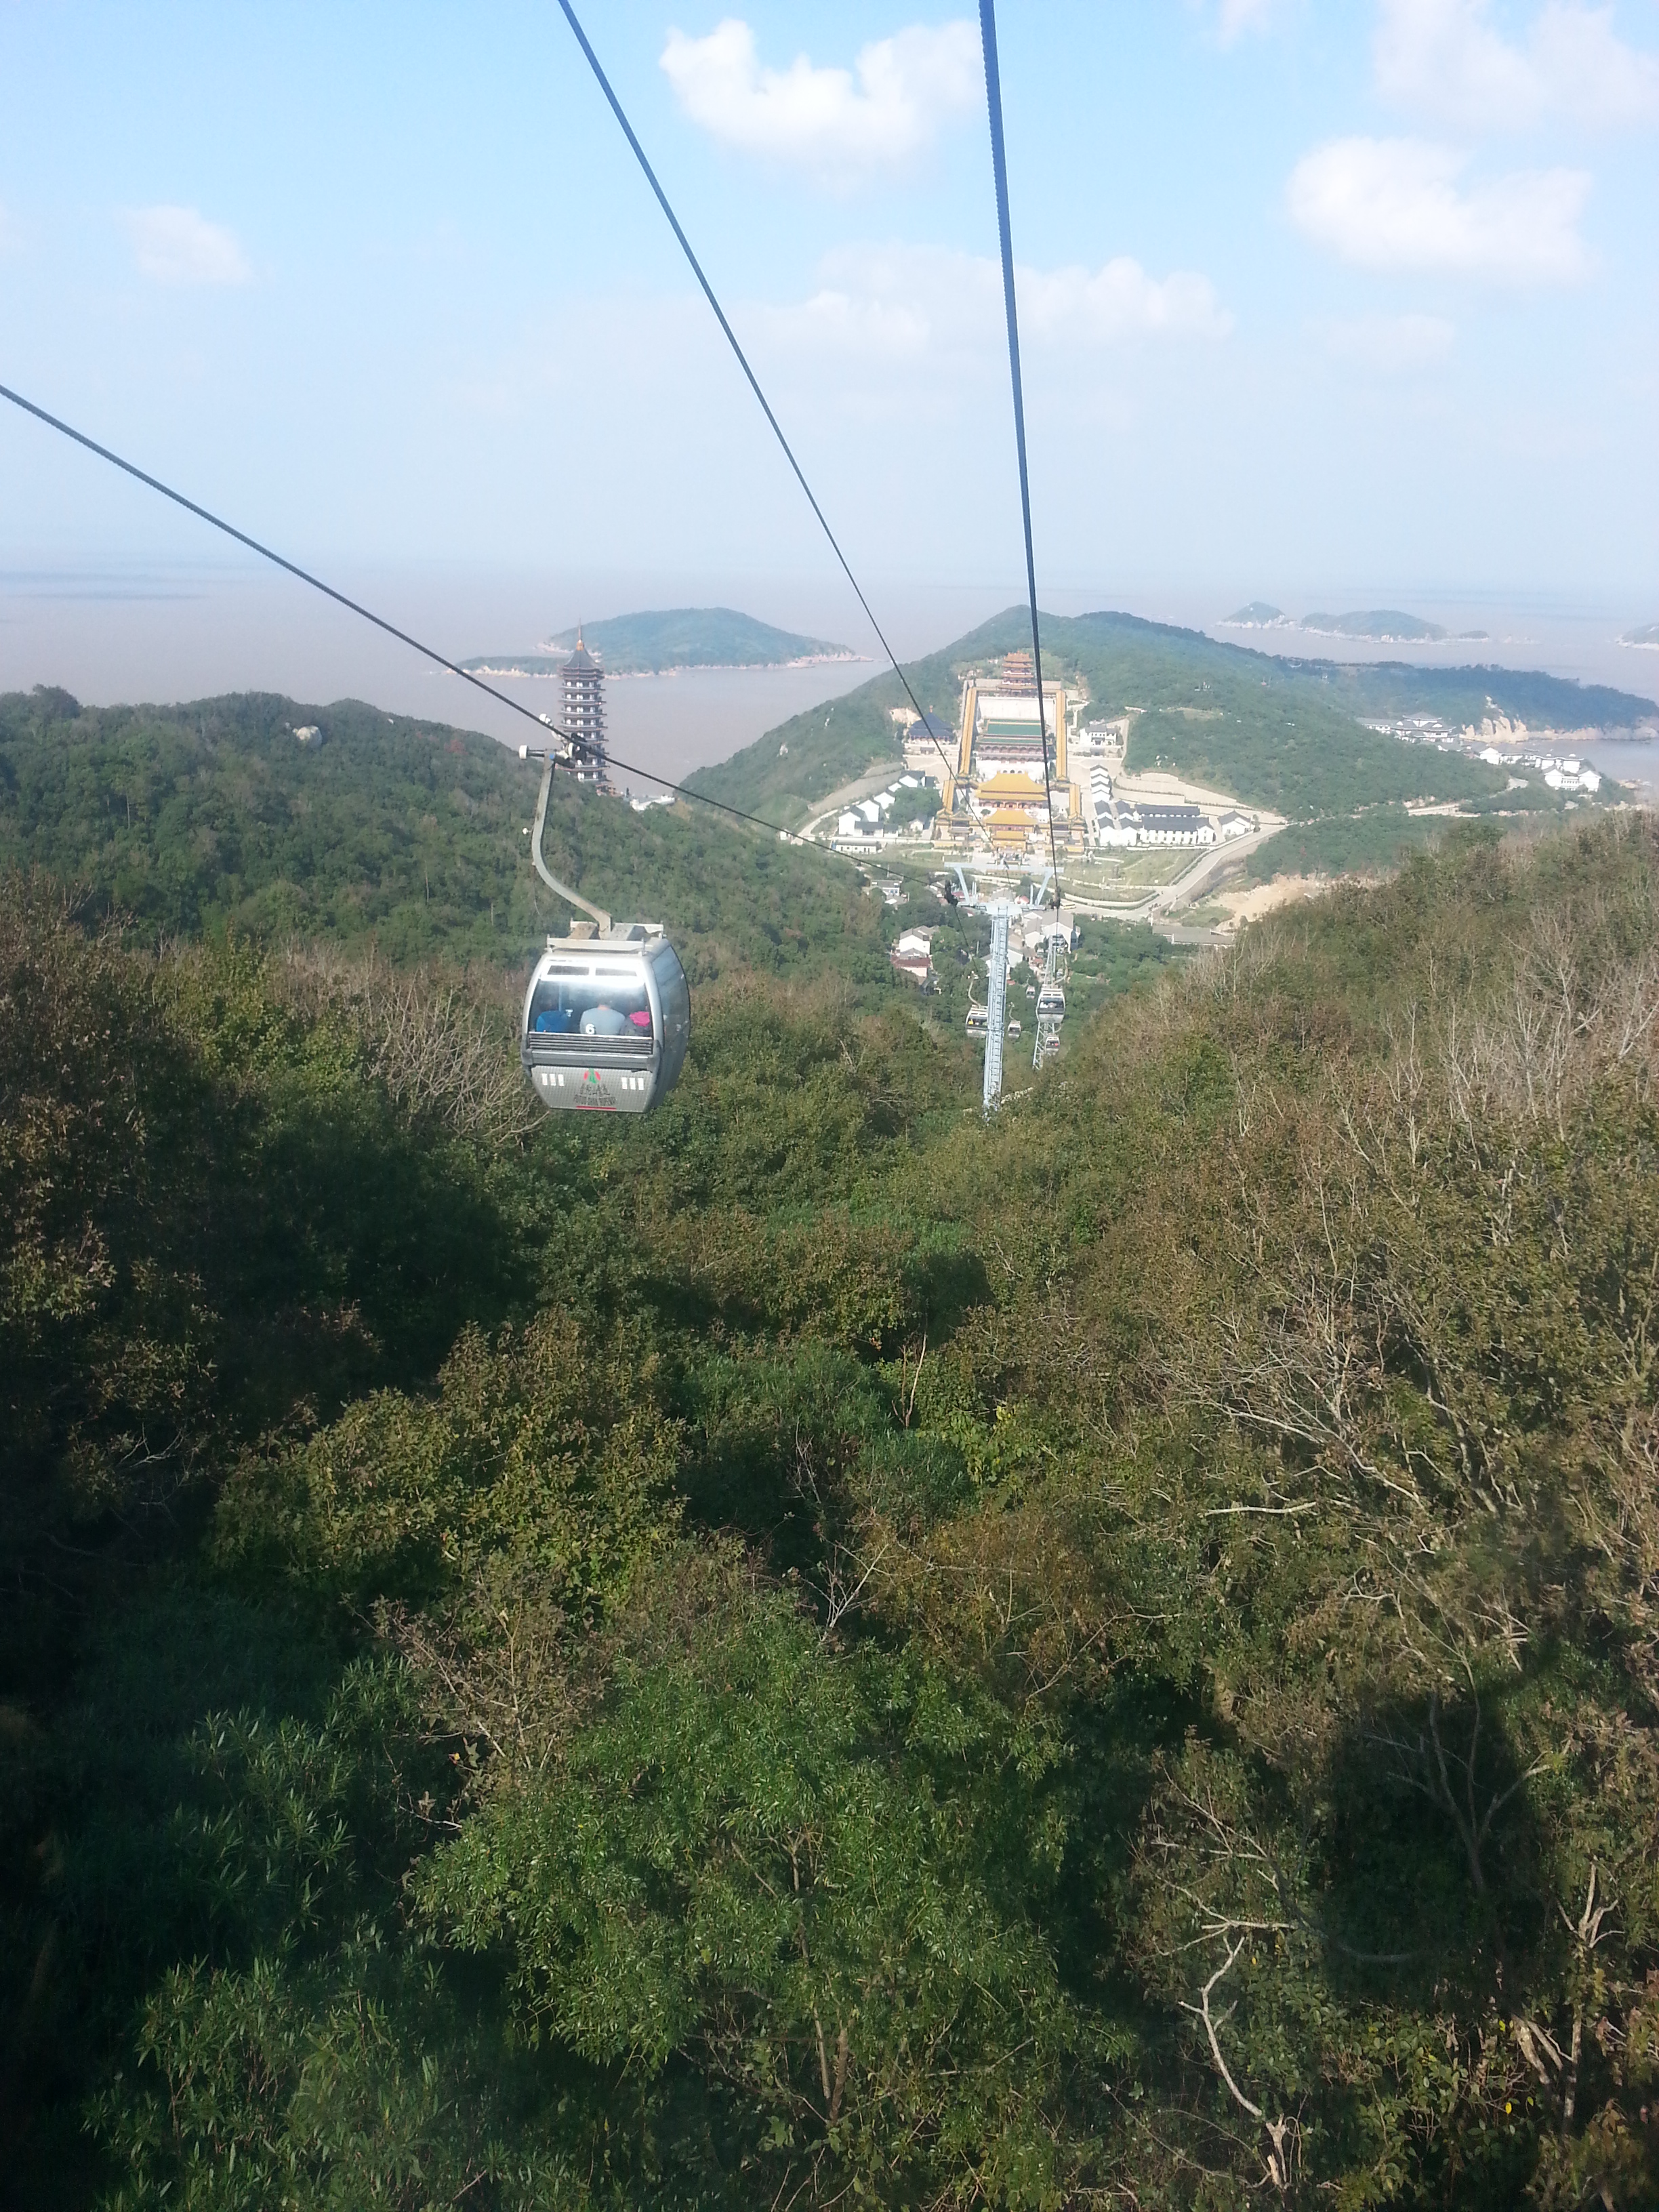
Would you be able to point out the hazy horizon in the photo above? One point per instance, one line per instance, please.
(121, 630)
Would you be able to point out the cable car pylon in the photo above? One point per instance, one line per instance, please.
(996, 1002)
(1000, 913)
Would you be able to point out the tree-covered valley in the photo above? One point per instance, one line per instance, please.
(808, 1648)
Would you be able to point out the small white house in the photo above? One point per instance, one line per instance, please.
(1118, 825)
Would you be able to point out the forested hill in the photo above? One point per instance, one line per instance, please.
(1273, 733)
(697, 637)
(1463, 695)
(674, 638)
(214, 816)
(808, 1650)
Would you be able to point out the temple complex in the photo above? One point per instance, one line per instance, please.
(998, 789)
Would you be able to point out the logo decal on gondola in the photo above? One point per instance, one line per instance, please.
(591, 1092)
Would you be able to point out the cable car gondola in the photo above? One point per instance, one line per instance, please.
(978, 1016)
(607, 1014)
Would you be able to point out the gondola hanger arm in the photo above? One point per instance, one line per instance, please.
(561, 891)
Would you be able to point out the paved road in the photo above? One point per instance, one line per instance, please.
(865, 787)
(1158, 906)
(1218, 861)
(1161, 905)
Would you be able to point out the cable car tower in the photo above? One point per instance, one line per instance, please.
(999, 912)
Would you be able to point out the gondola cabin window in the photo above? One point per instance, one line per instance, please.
(579, 1000)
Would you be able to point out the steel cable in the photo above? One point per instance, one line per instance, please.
(988, 25)
(674, 224)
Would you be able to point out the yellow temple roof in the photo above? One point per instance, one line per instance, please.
(1020, 790)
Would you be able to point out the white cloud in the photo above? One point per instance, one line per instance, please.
(177, 246)
(1594, 76)
(1444, 54)
(1395, 204)
(927, 304)
(1118, 301)
(1236, 17)
(839, 124)
(1449, 58)
(1391, 345)
(880, 307)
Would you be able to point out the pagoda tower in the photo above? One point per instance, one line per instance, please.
(584, 713)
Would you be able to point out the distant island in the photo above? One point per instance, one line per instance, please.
(1260, 615)
(1648, 635)
(1376, 625)
(658, 643)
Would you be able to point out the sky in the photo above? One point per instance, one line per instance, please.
(1315, 298)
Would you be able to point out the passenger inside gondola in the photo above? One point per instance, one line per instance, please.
(591, 1006)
